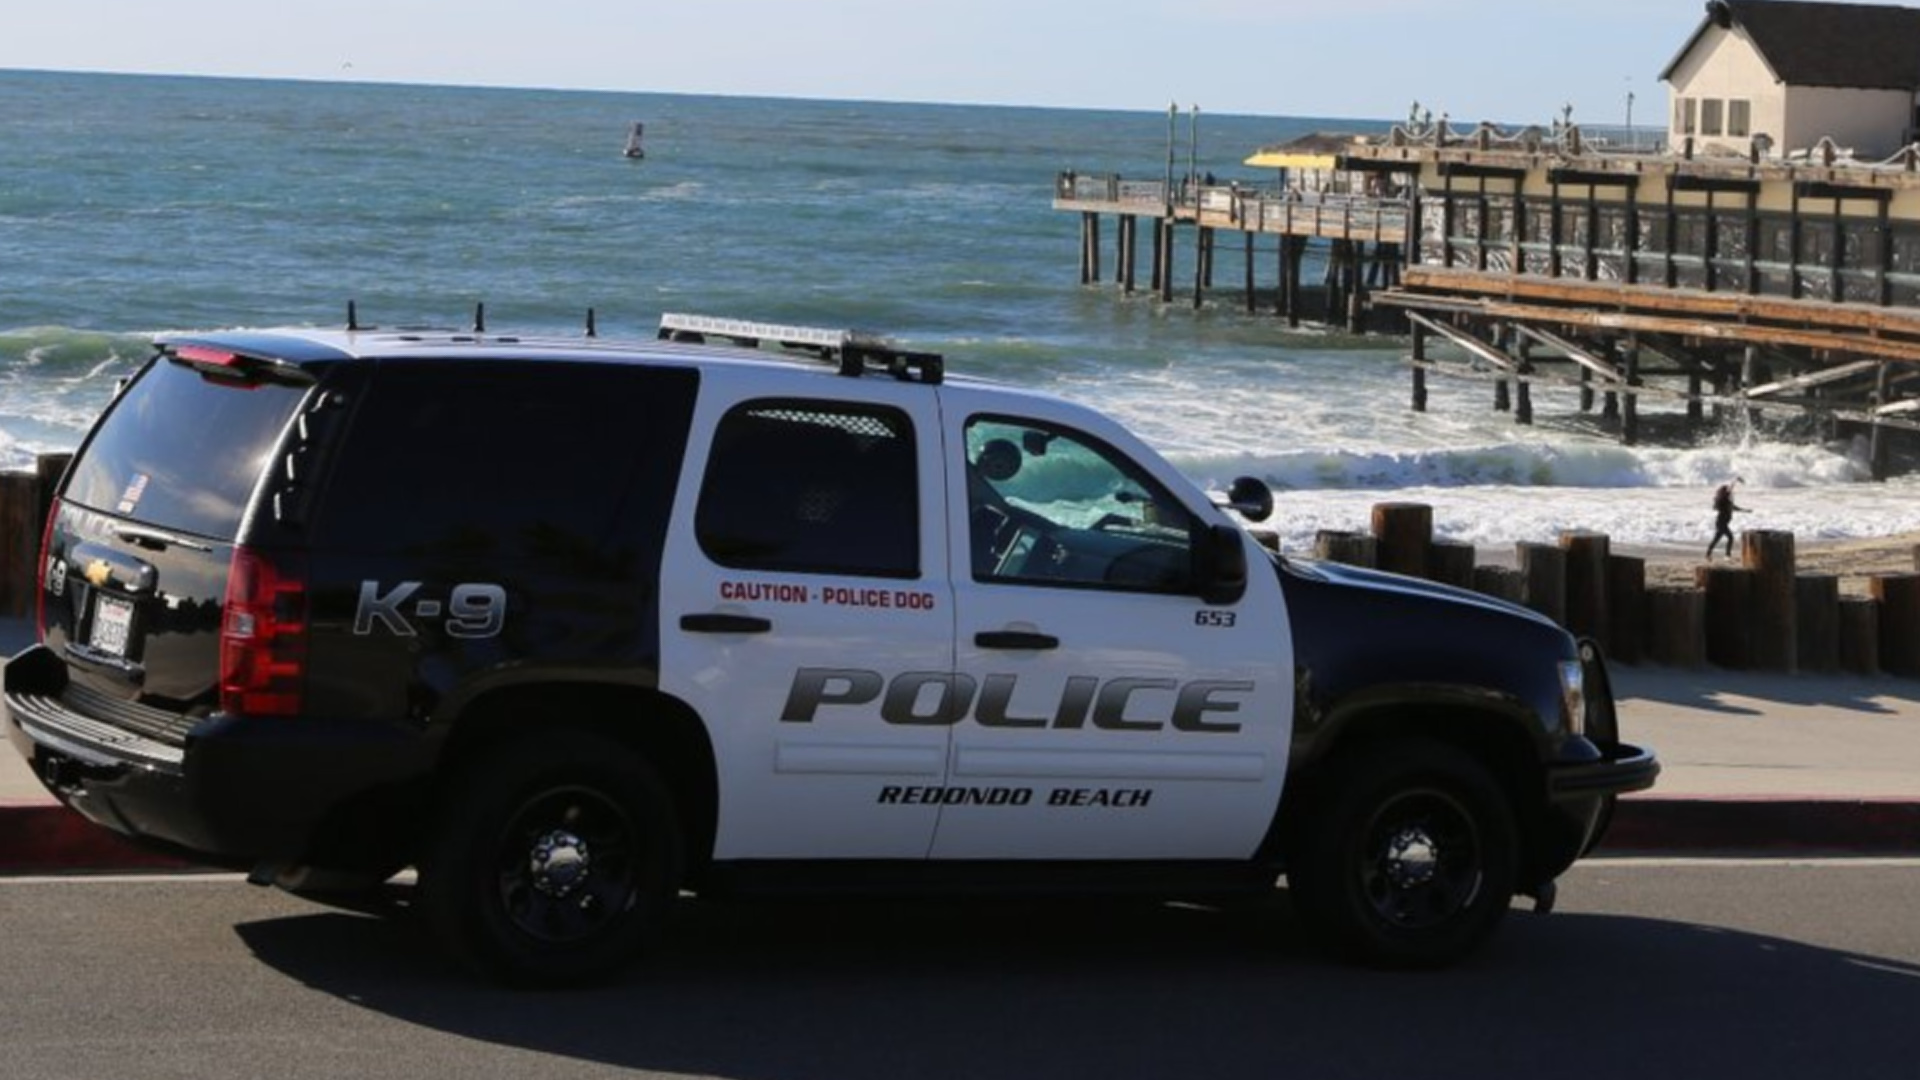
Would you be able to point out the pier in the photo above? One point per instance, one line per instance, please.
(1725, 286)
(1363, 236)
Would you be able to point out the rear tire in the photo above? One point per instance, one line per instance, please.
(1408, 859)
(553, 860)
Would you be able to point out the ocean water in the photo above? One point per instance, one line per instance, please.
(132, 205)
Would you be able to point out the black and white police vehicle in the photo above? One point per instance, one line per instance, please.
(571, 626)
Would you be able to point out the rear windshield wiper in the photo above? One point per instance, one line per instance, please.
(156, 539)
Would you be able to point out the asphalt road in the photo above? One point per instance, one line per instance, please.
(1650, 969)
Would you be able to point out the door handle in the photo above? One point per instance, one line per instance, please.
(716, 623)
(1015, 639)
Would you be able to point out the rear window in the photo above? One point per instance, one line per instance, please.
(183, 451)
(505, 459)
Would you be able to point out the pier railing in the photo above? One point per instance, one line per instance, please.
(1252, 208)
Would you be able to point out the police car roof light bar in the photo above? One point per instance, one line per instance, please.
(855, 351)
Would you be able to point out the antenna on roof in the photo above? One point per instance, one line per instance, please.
(353, 317)
(592, 329)
(480, 318)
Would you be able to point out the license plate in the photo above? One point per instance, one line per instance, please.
(112, 622)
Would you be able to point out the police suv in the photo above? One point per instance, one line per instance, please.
(570, 626)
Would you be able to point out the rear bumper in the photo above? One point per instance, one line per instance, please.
(237, 791)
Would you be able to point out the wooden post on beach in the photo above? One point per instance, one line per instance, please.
(1404, 531)
(1450, 562)
(1543, 569)
(1729, 599)
(1676, 626)
(19, 535)
(1816, 603)
(50, 468)
(1899, 597)
(1769, 554)
(1859, 635)
(1351, 548)
(1626, 608)
(1503, 582)
(1586, 583)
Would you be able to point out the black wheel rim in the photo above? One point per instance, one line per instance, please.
(568, 865)
(1422, 861)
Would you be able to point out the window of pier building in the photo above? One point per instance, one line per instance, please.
(1739, 118)
(1683, 115)
(1710, 109)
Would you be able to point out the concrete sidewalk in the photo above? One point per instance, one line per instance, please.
(1777, 764)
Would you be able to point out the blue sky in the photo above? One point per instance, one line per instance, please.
(1503, 60)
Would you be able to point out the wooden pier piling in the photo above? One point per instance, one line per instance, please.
(1899, 598)
(1729, 615)
(1350, 548)
(1404, 532)
(1676, 627)
(1587, 555)
(1769, 554)
(1503, 582)
(1816, 604)
(24, 501)
(1626, 608)
(1859, 635)
(1543, 568)
(1451, 562)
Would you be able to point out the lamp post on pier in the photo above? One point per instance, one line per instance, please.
(1193, 152)
(1173, 111)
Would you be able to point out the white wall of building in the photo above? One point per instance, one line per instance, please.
(1869, 122)
(1725, 67)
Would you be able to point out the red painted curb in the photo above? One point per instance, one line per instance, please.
(47, 838)
(1779, 826)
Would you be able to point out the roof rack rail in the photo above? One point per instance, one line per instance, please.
(856, 352)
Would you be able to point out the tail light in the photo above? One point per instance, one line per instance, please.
(41, 584)
(263, 634)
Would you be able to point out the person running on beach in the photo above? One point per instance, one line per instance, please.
(1723, 511)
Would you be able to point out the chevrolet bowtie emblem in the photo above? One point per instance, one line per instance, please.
(98, 573)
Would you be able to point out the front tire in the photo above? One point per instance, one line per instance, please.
(553, 860)
(1409, 857)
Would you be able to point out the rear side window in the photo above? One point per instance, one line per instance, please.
(812, 487)
(182, 450)
(506, 459)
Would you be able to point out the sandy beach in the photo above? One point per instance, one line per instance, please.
(1852, 561)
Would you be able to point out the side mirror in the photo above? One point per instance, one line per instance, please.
(1220, 564)
(1248, 496)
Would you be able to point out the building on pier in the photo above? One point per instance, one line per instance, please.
(1789, 74)
(1752, 269)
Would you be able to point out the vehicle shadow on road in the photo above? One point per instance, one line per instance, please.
(869, 990)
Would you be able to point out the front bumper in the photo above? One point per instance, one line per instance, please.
(1623, 769)
(226, 791)
(1581, 797)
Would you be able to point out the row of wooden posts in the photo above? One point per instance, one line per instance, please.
(1759, 615)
